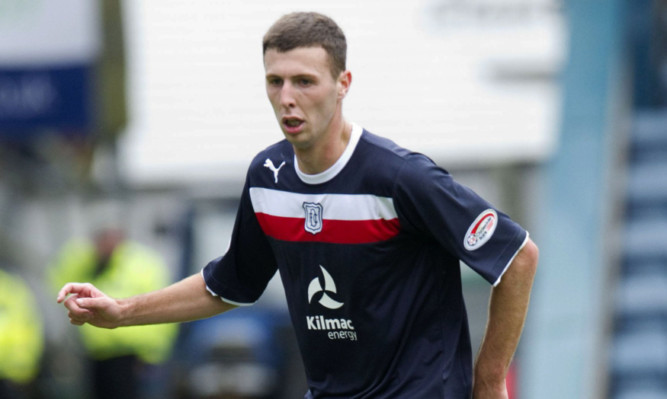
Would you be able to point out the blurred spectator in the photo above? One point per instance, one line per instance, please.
(126, 268)
(21, 337)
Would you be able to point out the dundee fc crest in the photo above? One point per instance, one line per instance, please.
(313, 222)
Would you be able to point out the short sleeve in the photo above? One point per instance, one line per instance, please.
(242, 274)
(431, 203)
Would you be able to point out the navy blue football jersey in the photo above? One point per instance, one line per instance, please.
(368, 253)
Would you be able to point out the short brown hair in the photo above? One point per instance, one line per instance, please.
(308, 29)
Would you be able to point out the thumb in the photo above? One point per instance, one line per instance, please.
(89, 303)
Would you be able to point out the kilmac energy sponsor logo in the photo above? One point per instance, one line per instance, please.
(481, 230)
(335, 328)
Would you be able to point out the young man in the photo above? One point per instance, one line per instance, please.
(367, 238)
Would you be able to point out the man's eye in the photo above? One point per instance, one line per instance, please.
(275, 82)
(305, 82)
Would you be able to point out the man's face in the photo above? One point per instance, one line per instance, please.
(304, 95)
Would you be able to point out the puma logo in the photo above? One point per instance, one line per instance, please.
(269, 164)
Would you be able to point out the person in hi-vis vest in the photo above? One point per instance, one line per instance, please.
(126, 268)
(21, 336)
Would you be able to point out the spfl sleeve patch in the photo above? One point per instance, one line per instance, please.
(481, 230)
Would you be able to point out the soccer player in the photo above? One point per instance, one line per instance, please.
(367, 237)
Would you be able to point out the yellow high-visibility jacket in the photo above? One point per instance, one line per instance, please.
(21, 330)
(132, 269)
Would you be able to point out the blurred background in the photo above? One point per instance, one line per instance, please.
(126, 128)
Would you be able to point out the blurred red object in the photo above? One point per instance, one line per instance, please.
(511, 381)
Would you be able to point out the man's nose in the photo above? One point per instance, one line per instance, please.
(287, 95)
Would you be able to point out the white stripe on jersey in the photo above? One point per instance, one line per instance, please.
(335, 206)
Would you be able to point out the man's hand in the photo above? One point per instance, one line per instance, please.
(87, 304)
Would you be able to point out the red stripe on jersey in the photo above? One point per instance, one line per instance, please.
(333, 231)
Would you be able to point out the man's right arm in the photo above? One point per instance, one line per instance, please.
(182, 301)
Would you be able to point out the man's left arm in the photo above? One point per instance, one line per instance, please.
(507, 313)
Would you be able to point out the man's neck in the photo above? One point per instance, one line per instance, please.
(318, 158)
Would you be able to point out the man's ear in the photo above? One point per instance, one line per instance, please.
(344, 82)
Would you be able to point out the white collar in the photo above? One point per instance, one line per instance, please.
(334, 169)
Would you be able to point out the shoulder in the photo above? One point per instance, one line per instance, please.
(386, 150)
(380, 165)
(409, 167)
(383, 147)
(413, 175)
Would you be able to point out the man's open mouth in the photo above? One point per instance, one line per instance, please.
(293, 125)
(292, 122)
